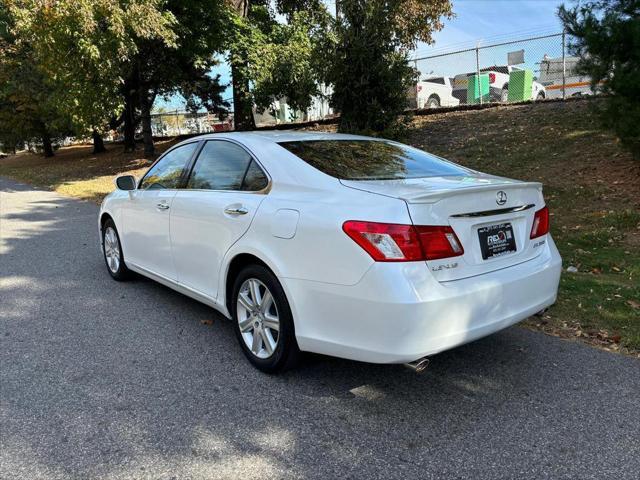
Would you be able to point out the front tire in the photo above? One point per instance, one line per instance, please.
(112, 252)
(263, 320)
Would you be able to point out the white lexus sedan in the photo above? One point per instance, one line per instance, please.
(350, 246)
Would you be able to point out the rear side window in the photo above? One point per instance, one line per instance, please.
(255, 179)
(168, 171)
(371, 160)
(226, 166)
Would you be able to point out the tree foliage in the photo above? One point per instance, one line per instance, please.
(113, 57)
(284, 61)
(28, 112)
(90, 65)
(87, 47)
(361, 55)
(606, 37)
(271, 59)
(367, 58)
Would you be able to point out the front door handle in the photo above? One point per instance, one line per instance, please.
(236, 211)
(162, 206)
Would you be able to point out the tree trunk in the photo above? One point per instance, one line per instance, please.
(147, 134)
(98, 143)
(242, 105)
(47, 148)
(129, 120)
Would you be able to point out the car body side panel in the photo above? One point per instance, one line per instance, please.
(202, 231)
(319, 251)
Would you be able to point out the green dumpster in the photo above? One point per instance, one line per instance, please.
(520, 85)
(476, 88)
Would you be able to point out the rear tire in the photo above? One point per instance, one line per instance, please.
(540, 97)
(433, 102)
(263, 321)
(504, 96)
(112, 252)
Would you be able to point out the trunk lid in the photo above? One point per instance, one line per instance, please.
(480, 208)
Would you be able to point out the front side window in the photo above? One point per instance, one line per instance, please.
(371, 159)
(226, 166)
(168, 171)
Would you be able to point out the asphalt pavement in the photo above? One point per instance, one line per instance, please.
(100, 379)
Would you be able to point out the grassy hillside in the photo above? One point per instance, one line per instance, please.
(592, 187)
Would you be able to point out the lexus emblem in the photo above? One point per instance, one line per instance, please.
(501, 197)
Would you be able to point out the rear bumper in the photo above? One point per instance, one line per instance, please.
(398, 312)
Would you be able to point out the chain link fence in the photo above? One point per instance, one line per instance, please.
(175, 123)
(534, 68)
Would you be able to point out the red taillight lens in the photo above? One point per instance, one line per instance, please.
(385, 242)
(439, 242)
(492, 78)
(390, 242)
(540, 223)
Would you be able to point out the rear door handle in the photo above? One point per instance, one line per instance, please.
(236, 211)
(162, 206)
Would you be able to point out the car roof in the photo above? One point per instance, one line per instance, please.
(277, 136)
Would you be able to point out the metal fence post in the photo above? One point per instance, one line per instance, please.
(177, 122)
(564, 65)
(478, 71)
(415, 64)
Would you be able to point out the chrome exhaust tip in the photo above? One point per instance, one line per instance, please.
(419, 365)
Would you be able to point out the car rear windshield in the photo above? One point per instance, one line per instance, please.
(370, 160)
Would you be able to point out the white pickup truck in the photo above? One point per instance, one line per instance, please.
(434, 92)
(498, 84)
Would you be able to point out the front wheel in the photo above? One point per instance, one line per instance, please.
(112, 250)
(263, 320)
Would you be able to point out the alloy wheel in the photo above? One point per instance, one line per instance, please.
(258, 318)
(112, 249)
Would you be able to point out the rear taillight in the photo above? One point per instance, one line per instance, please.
(492, 78)
(390, 242)
(439, 242)
(540, 223)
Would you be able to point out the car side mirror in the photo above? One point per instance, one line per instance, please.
(126, 182)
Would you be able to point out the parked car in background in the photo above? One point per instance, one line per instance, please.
(434, 92)
(498, 84)
(343, 245)
(551, 77)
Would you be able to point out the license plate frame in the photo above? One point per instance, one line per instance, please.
(496, 240)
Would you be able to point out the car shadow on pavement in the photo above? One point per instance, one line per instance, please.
(101, 379)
